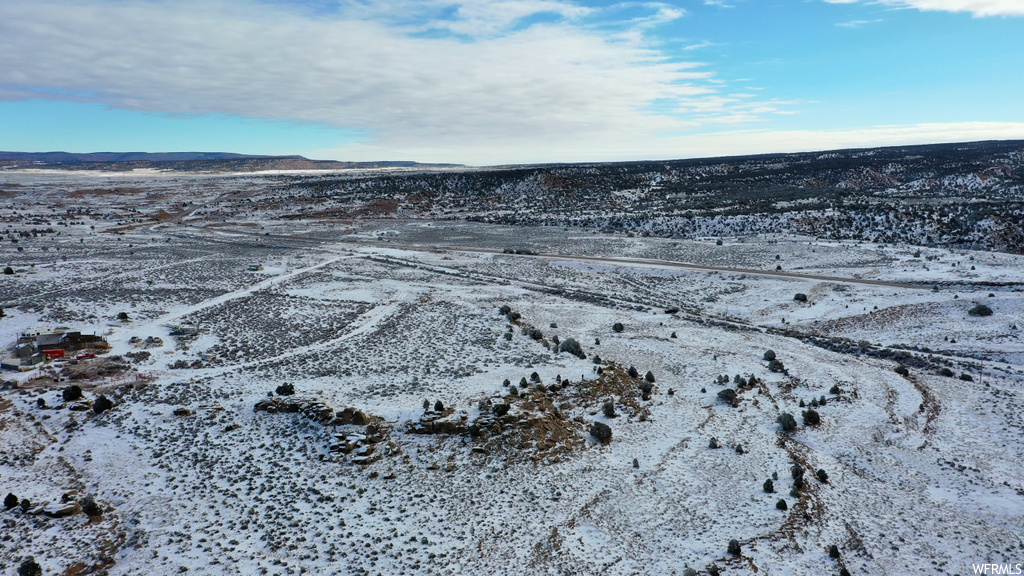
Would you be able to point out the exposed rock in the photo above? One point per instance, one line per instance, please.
(62, 510)
(317, 411)
(349, 416)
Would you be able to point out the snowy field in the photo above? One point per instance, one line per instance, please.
(921, 471)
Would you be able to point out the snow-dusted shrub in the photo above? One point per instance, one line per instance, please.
(633, 373)
(649, 376)
(601, 431)
(71, 393)
(834, 389)
(571, 346)
(769, 355)
(734, 547)
(646, 388)
(713, 443)
(500, 409)
(10, 501)
(902, 371)
(980, 310)
(787, 421)
(90, 507)
(286, 389)
(822, 475)
(800, 297)
(504, 310)
(781, 504)
(833, 551)
(946, 372)
(535, 377)
(597, 359)
(438, 406)
(769, 486)
(609, 409)
(618, 327)
(30, 568)
(102, 404)
(811, 417)
(728, 396)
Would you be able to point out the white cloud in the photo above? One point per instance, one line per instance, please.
(700, 45)
(528, 88)
(977, 8)
(481, 17)
(857, 23)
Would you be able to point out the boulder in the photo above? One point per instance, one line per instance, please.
(62, 510)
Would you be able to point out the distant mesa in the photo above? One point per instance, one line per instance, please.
(186, 162)
(70, 157)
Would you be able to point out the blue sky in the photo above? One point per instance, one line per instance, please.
(507, 81)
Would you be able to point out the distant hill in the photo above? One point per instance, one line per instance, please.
(964, 195)
(119, 156)
(185, 162)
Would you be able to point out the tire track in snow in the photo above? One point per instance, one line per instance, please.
(366, 323)
(155, 324)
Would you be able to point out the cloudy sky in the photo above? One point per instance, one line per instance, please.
(507, 81)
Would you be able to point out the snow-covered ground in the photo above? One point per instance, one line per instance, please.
(923, 470)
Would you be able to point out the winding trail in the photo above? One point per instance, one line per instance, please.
(156, 325)
(580, 258)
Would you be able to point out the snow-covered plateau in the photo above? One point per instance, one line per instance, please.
(371, 395)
